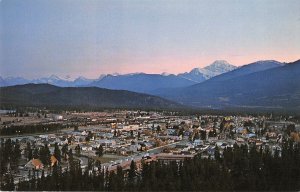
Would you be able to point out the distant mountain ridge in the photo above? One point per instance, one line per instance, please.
(250, 68)
(266, 84)
(149, 83)
(276, 86)
(53, 80)
(212, 70)
(141, 82)
(45, 95)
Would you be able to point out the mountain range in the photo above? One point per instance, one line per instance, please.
(269, 85)
(138, 82)
(264, 84)
(52, 80)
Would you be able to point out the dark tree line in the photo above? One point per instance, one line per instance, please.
(237, 168)
(25, 129)
(10, 154)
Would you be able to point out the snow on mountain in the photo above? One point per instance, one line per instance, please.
(201, 74)
(250, 68)
(50, 79)
(196, 75)
(220, 66)
(115, 74)
(53, 80)
(81, 78)
(13, 81)
(264, 84)
(165, 74)
(82, 81)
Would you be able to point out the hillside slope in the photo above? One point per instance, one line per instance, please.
(276, 88)
(48, 95)
(141, 82)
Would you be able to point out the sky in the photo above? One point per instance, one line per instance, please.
(93, 37)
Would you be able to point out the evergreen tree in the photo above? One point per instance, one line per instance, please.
(131, 134)
(8, 184)
(181, 132)
(99, 151)
(115, 133)
(196, 136)
(45, 155)
(28, 151)
(131, 175)
(64, 150)
(217, 154)
(203, 134)
(36, 153)
(16, 154)
(119, 179)
(139, 135)
(158, 129)
(77, 150)
(57, 152)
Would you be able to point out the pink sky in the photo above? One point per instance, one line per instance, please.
(178, 65)
(90, 38)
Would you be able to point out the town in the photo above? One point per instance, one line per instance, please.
(113, 139)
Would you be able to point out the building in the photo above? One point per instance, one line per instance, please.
(166, 157)
(34, 164)
(53, 160)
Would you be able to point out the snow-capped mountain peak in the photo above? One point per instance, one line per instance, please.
(265, 62)
(81, 78)
(201, 74)
(115, 74)
(54, 77)
(220, 66)
(165, 74)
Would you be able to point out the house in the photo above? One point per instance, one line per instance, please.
(259, 143)
(106, 142)
(171, 137)
(241, 130)
(183, 147)
(121, 151)
(86, 148)
(239, 139)
(272, 134)
(250, 135)
(167, 157)
(84, 133)
(53, 160)
(276, 148)
(171, 132)
(210, 150)
(45, 137)
(142, 147)
(130, 127)
(134, 148)
(34, 164)
(197, 142)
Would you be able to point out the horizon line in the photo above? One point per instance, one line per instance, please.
(68, 77)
